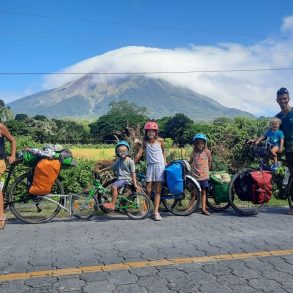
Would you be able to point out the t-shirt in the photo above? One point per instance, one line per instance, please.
(287, 128)
(123, 168)
(200, 164)
(274, 136)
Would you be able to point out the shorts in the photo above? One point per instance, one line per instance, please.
(2, 167)
(203, 183)
(155, 173)
(119, 183)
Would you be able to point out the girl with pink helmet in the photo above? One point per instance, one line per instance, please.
(153, 146)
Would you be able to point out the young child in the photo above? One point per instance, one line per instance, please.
(156, 162)
(275, 137)
(200, 161)
(124, 169)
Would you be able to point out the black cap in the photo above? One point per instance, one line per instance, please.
(282, 91)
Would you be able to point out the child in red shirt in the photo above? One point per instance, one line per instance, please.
(200, 161)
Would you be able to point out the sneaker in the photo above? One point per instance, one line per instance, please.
(157, 217)
(109, 206)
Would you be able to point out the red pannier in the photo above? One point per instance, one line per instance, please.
(261, 189)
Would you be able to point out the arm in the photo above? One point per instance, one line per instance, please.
(5, 132)
(210, 159)
(104, 169)
(281, 146)
(139, 154)
(259, 139)
(133, 178)
(163, 150)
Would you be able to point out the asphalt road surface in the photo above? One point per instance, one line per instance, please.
(220, 253)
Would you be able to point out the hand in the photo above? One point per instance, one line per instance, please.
(137, 188)
(11, 159)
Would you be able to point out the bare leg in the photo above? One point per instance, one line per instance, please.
(2, 216)
(274, 151)
(158, 187)
(114, 190)
(204, 197)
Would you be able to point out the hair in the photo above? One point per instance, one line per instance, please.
(273, 120)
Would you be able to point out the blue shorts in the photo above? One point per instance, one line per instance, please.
(203, 183)
(119, 183)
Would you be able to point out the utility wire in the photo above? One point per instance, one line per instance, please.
(128, 24)
(147, 72)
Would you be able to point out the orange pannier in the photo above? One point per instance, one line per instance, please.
(45, 175)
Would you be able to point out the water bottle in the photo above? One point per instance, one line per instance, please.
(286, 177)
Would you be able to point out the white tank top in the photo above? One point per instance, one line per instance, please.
(154, 153)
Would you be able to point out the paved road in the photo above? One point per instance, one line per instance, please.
(221, 253)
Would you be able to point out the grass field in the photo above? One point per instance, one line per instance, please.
(93, 154)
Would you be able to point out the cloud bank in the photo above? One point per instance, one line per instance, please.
(252, 91)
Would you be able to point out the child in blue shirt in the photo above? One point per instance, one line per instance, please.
(275, 137)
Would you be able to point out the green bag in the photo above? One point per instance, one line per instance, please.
(29, 158)
(220, 182)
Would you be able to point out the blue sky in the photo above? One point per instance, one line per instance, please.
(54, 36)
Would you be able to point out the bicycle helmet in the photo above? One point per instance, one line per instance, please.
(120, 143)
(282, 91)
(200, 136)
(151, 125)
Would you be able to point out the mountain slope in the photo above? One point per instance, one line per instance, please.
(88, 97)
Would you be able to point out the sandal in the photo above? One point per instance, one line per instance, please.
(109, 206)
(157, 217)
(2, 223)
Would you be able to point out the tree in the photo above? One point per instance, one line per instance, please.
(121, 115)
(20, 117)
(176, 126)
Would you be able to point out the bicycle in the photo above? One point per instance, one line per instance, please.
(181, 204)
(247, 207)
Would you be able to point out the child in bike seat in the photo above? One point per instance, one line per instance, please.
(275, 137)
(124, 169)
(200, 162)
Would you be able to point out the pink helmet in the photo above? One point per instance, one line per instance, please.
(151, 125)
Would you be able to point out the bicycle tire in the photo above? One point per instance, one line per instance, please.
(213, 205)
(244, 208)
(183, 205)
(83, 206)
(138, 206)
(33, 209)
(289, 192)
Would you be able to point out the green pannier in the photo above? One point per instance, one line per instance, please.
(29, 158)
(220, 186)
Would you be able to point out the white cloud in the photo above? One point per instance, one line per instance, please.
(253, 91)
(287, 24)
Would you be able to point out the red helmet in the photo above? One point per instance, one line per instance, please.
(151, 125)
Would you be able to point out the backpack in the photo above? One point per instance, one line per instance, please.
(261, 187)
(175, 174)
(243, 186)
(45, 174)
(220, 186)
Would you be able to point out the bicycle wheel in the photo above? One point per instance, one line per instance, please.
(30, 208)
(214, 205)
(289, 192)
(243, 207)
(83, 206)
(138, 206)
(187, 203)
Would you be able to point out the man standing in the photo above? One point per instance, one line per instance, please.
(286, 116)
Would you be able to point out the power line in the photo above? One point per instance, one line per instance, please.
(128, 24)
(147, 72)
